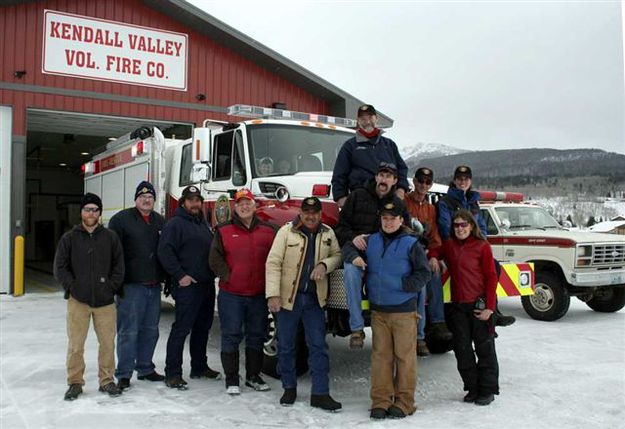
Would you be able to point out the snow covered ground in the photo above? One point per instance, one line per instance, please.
(568, 373)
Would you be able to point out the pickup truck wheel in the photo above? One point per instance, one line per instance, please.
(550, 300)
(270, 349)
(608, 300)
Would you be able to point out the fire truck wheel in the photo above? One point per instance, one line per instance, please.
(608, 299)
(270, 361)
(551, 299)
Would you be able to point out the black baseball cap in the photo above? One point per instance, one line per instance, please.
(424, 172)
(312, 204)
(463, 170)
(366, 108)
(191, 191)
(394, 207)
(387, 166)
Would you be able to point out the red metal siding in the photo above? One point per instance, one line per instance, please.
(223, 76)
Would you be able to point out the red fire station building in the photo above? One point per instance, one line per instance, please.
(77, 72)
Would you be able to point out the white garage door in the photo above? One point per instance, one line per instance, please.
(5, 198)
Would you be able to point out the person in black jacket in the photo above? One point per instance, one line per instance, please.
(359, 218)
(139, 308)
(183, 252)
(89, 264)
(359, 157)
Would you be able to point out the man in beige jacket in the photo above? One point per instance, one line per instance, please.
(303, 253)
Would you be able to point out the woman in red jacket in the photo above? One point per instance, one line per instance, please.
(469, 259)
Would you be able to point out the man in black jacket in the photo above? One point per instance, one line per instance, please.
(89, 263)
(359, 218)
(183, 252)
(139, 308)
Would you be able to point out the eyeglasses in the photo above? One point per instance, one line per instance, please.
(458, 225)
(91, 209)
(424, 181)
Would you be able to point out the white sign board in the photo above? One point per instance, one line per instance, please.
(98, 49)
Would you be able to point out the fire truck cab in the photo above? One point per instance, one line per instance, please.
(282, 156)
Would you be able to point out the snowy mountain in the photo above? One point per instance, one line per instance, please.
(414, 153)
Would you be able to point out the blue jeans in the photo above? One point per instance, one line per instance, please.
(241, 316)
(138, 314)
(195, 307)
(306, 308)
(352, 277)
(436, 310)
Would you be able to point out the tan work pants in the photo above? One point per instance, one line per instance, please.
(393, 360)
(104, 322)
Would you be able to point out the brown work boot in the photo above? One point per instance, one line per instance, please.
(422, 348)
(357, 340)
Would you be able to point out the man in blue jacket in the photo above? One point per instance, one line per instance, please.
(360, 156)
(183, 252)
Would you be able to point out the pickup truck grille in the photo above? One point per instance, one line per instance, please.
(608, 254)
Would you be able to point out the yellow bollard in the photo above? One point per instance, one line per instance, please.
(18, 267)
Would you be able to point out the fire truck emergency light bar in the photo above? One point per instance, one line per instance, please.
(267, 112)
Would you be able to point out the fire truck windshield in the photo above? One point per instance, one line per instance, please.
(289, 149)
(526, 217)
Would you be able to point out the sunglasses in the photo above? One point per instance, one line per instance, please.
(91, 209)
(425, 181)
(461, 224)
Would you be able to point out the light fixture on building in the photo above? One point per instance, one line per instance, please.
(200, 97)
(62, 164)
(19, 73)
(84, 153)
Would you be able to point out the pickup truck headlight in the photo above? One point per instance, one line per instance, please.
(583, 255)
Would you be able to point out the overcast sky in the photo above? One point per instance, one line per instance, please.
(474, 75)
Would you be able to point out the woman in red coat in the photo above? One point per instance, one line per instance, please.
(469, 259)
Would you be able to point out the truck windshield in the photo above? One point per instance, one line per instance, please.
(288, 149)
(526, 217)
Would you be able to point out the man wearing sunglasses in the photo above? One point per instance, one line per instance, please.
(89, 263)
(420, 207)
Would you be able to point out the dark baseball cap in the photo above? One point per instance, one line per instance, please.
(366, 108)
(463, 170)
(191, 191)
(387, 166)
(312, 204)
(394, 207)
(424, 172)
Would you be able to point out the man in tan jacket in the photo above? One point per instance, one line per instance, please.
(303, 253)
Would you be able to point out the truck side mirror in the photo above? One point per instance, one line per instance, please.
(567, 224)
(200, 173)
(505, 224)
(201, 151)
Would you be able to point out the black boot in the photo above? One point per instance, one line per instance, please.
(230, 363)
(325, 402)
(503, 320)
(253, 366)
(288, 397)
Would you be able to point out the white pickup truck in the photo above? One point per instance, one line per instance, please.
(567, 263)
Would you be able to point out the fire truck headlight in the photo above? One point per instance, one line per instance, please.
(282, 194)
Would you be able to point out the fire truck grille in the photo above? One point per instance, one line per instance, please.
(609, 254)
(268, 187)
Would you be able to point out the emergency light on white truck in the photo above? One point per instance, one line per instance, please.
(270, 113)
